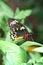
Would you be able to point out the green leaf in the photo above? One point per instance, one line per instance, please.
(39, 63)
(7, 10)
(17, 11)
(13, 54)
(40, 60)
(5, 13)
(35, 56)
(26, 64)
(26, 44)
(38, 49)
(29, 30)
(23, 14)
(8, 37)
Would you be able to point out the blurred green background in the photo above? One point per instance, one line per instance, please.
(28, 12)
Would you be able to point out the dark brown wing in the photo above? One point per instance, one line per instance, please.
(17, 27)
(16, 24)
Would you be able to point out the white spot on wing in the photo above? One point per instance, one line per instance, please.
(13, 22)
(22, 28)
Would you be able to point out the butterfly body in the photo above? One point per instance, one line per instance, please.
(18, 31)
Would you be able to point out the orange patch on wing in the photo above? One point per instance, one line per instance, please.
(30, 49)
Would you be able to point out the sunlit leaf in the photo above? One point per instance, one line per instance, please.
(26, 64)
(23, 14)
(8, 11)
(35, 56)
(38, 49)
(40, 60)
(39, 63)
(13, 54)
(29, 30)
(26, 44)
(17, 11)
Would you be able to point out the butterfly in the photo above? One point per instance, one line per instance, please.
(18, 31)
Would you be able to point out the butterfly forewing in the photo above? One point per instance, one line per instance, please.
(17, 29)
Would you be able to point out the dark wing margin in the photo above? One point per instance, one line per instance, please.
(10, 20)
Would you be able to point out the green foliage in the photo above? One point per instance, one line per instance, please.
(29, 43)
(12, 53)
(15, 55)
(23, 14)
(6, 10)
(5, 13)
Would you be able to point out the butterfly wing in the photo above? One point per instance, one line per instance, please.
(17, 29)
